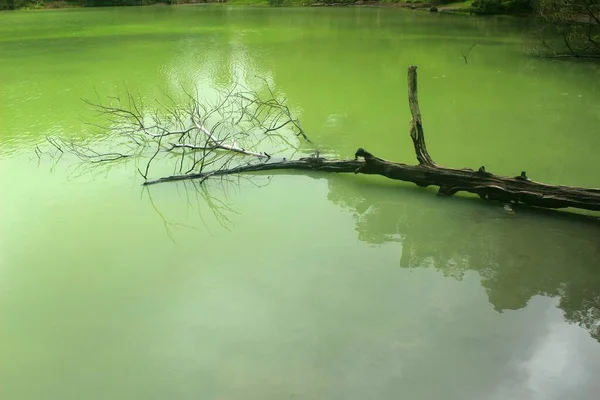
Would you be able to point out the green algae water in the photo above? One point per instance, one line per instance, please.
(297, 286)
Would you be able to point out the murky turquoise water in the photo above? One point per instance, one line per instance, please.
(307, 286)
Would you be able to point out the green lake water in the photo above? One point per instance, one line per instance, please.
(297, 286)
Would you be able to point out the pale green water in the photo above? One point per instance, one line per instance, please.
(319, 286)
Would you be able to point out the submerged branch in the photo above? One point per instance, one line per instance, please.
(466, 55)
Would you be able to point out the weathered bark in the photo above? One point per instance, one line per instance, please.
(416, 124)
(518, 189)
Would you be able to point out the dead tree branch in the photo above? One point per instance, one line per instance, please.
(200, 136)
(240, 122)
(517, 189)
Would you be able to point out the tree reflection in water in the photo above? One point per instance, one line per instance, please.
(518, 256)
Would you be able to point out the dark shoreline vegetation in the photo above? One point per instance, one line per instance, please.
(459, 6)
(570, 29)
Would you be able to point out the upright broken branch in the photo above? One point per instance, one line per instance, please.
(416, 124)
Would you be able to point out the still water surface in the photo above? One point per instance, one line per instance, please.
(301, 285)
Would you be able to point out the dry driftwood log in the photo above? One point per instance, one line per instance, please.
(518, 189)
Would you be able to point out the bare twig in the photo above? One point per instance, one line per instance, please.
(218, 134)
(466, 55)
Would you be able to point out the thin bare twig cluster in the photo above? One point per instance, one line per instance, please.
(184, 135)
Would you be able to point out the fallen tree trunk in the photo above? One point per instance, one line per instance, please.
(518, 189)
(450, 181)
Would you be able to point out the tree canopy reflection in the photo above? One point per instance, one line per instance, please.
(517, 256)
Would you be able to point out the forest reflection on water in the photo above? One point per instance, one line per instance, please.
(534, 252)
(518, 256)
